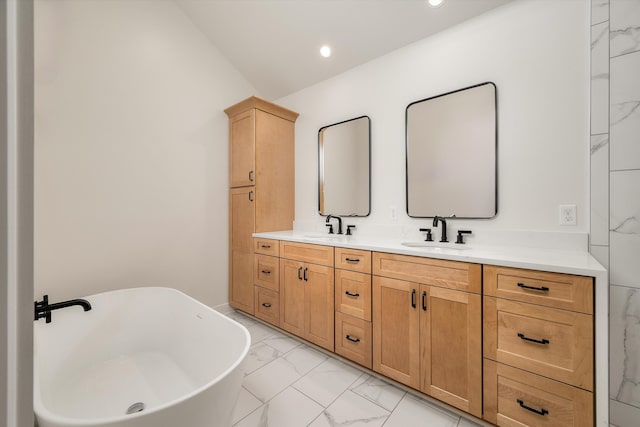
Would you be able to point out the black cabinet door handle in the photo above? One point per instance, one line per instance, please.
(351, 295)
(523, 337)
(540, 411)
(306, 279)
(352, 339)
(251, 176)
(424, 300)
(356, 260)
(266, 272)
(533, 288)
(266, 304)
(251, 196)
(413, 298)
(300, 273)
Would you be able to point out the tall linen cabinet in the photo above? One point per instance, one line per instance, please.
(261, 181)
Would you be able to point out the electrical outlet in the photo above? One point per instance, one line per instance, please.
(568, 215)
(393, 211)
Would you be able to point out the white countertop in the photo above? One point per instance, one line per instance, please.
(559, 261)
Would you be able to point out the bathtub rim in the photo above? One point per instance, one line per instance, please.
(41, 411)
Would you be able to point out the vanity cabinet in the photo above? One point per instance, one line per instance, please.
(538, 348)
(307, 292)
(353, 305)
(261, 177)
(426, 330)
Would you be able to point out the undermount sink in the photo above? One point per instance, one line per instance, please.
(435, 245)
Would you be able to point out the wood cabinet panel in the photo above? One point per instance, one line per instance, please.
(305, 252)
(242, 149)
(266, 272)
(451, 347)
(267, 305)
(318, 305)
(517, 398)
(353, 339)
(242, 214)
(449, 274)
(353, 294)
(292, 292)
(266, 246)
(353, 259)
(396, 330)
(551, 342)
(556, 290)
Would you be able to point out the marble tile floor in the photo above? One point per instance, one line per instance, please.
(290, 384)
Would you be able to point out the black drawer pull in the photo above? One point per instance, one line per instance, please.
(413, 298)
(265, 272)
(424, 300)
(542, 341)
(350, 294)
(533, 288)
(265, 246)
(266, 305)
(352, 339)
(540, 411)
(356, 260)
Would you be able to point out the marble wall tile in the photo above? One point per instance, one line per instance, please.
(624, 236)
(599, 190)
(624, 112)
(625, 26)
(624, 340)
(623, 415)
(599, 11)
(600, 78)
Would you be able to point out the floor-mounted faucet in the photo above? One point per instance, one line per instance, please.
(443, 236)
(42, 309)
(329, 217)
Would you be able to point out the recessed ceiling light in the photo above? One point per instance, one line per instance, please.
(325, 51)
(435, 3)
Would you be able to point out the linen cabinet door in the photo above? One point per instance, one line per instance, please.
(451, 347)
(242, 149)
(242, 219)
(318, 305)
(396, 322)
(292, 289)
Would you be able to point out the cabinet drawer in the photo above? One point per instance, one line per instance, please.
(353, 294)
(267, 305)
(266, 246)
(449, 274)
(353, 259)
(266, 271)
(555, 343)
(305, 252)
(557, 290)
(353, 339)
(517, 398)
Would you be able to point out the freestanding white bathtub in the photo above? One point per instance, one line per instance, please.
(155, 348)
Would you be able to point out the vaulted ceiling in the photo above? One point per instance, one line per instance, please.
(275, 43)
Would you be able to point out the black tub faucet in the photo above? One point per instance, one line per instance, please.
(42, 309)
(339, 224)
(443, 236)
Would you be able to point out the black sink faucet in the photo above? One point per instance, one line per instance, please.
(443, 236)
(42, 309)
(339, 223)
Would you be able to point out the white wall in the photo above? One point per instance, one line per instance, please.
(131, 150)
(536, 52)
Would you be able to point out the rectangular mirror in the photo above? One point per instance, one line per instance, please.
(344, 168)
(451, 143)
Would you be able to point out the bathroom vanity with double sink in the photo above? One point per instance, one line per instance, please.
(514, 336)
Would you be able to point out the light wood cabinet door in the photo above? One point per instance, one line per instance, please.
(318, 305)
(396, 334)
(242, 149)
(292, 290)
(242, 216)
(451, 347)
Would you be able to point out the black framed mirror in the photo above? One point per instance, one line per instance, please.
(451, 154)
(344, 168)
